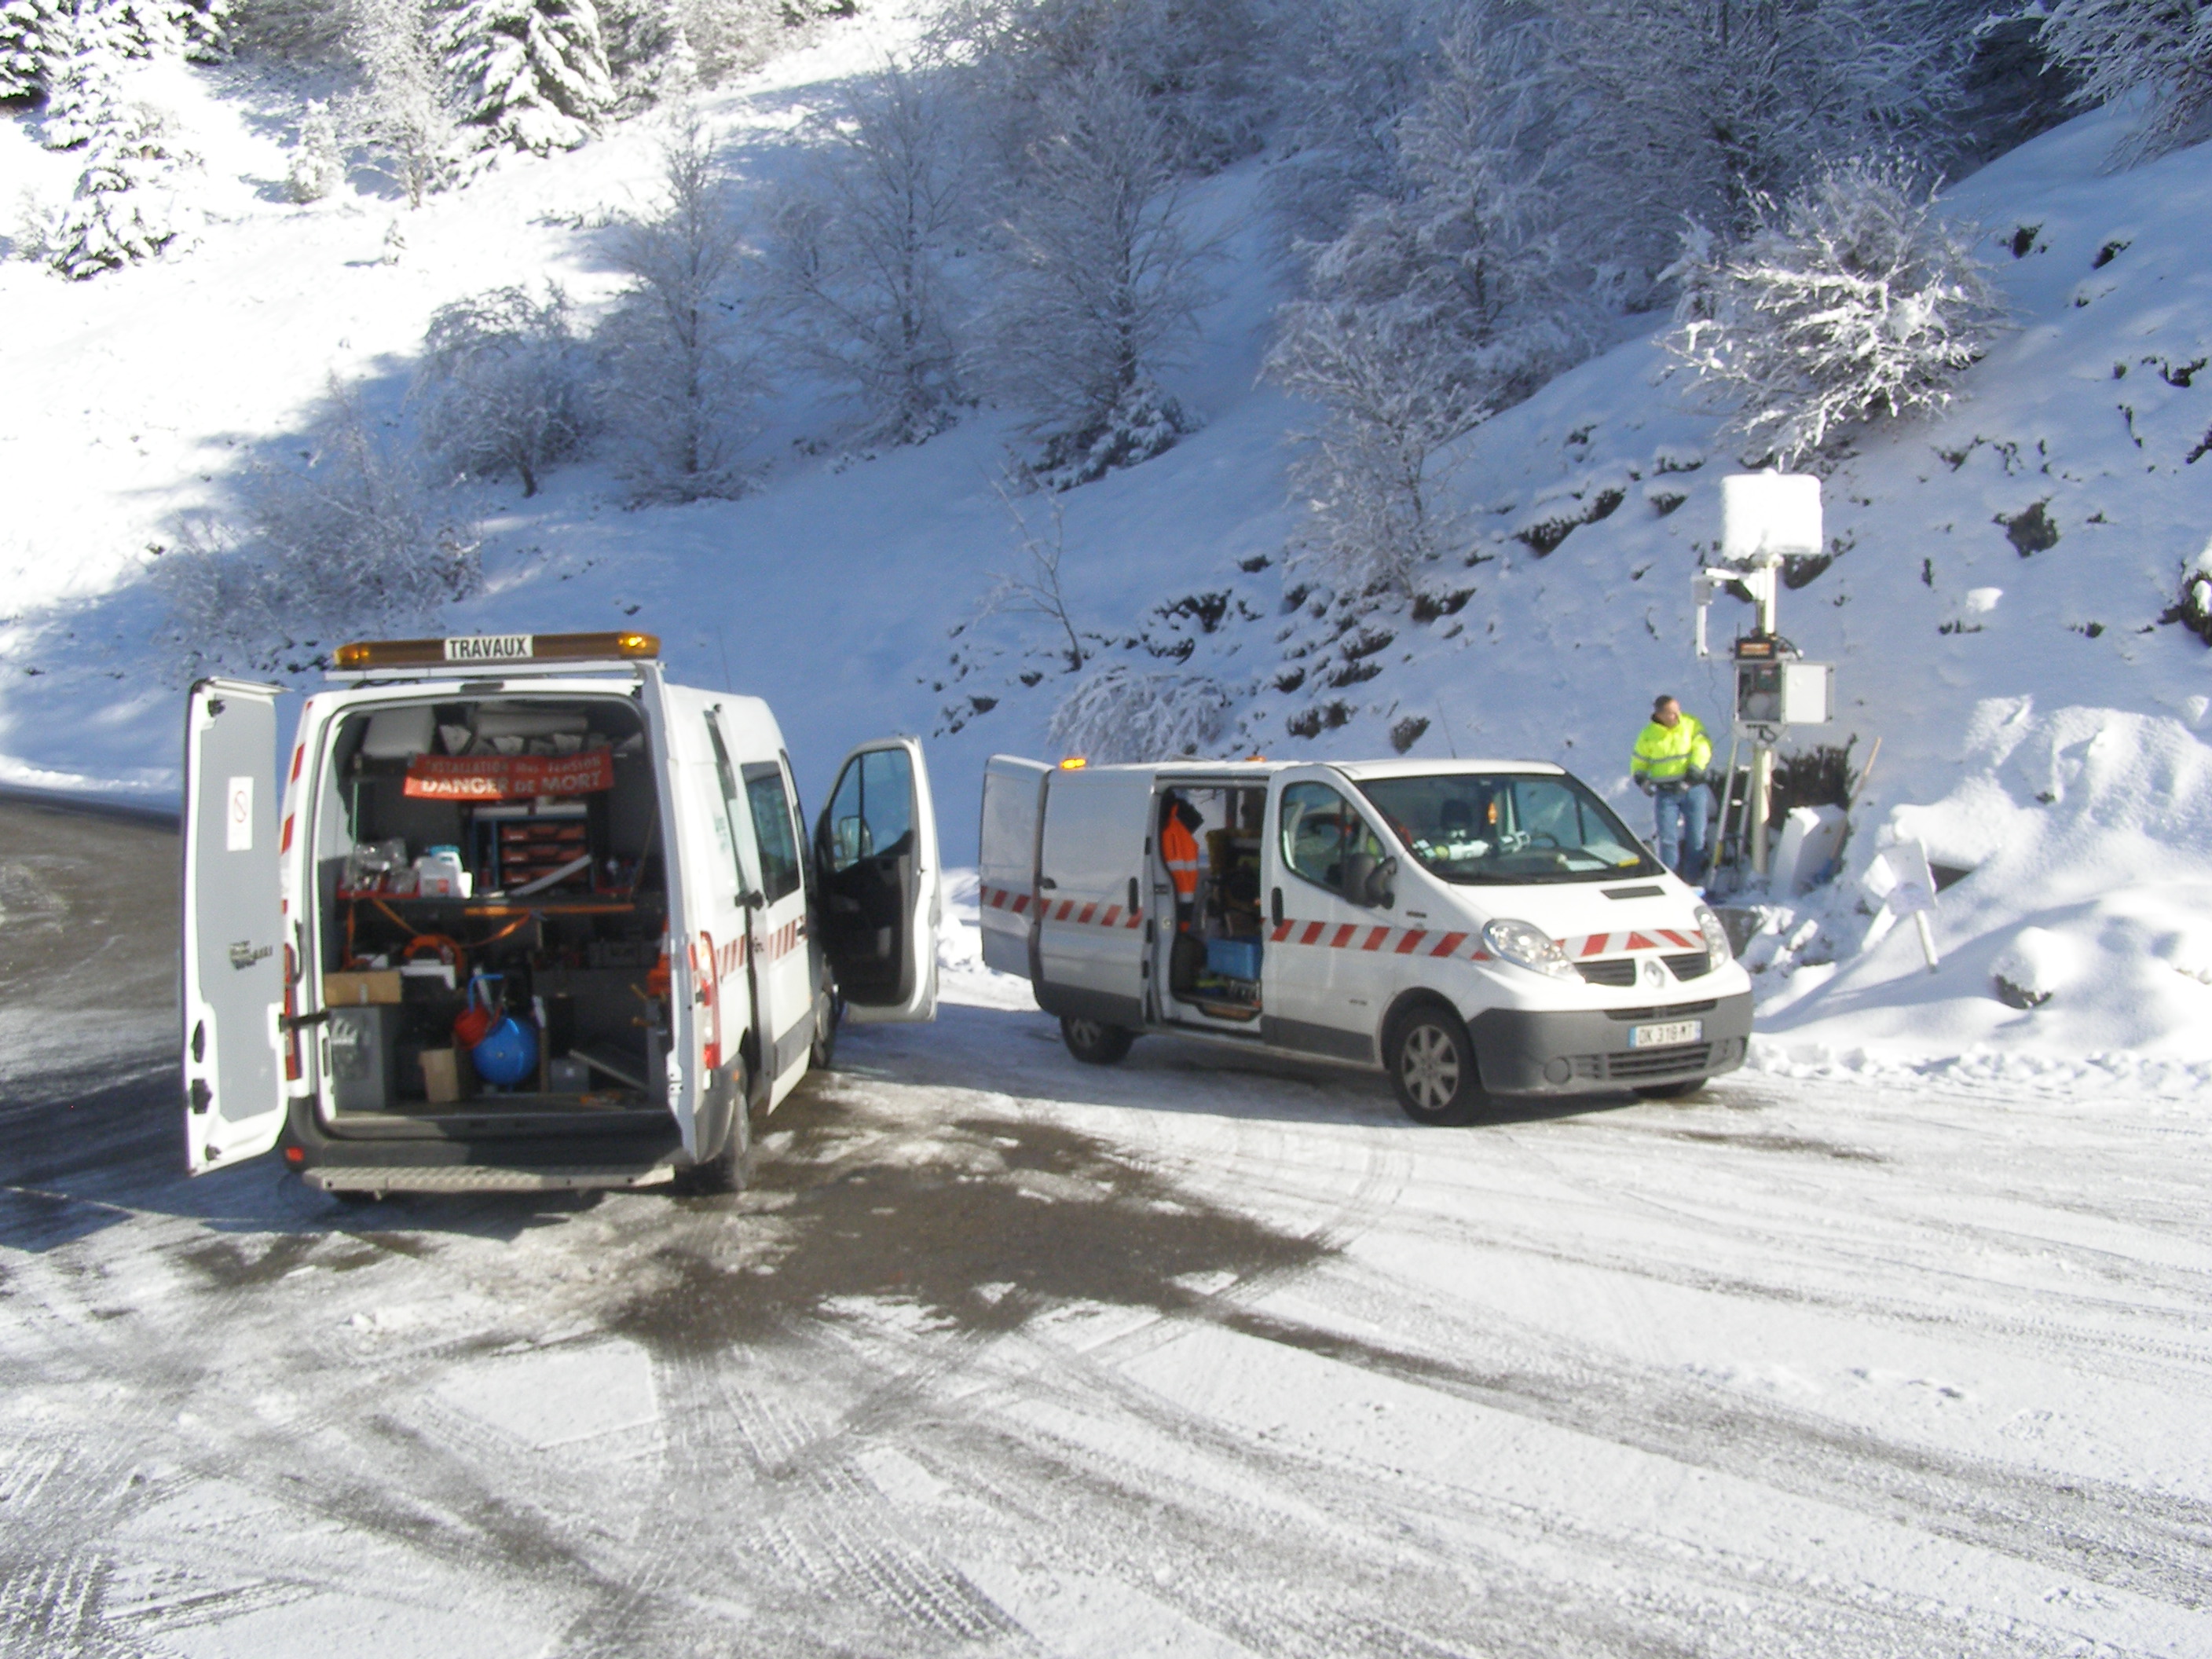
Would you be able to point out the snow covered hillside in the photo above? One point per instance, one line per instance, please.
(1994, 602)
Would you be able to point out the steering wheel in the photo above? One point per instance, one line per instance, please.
(1540, 838)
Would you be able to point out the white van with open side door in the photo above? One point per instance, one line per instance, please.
(1475, 928)
(528, 916)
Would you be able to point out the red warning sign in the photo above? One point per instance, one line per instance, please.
(510, 777)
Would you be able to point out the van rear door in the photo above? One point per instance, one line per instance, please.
(882, 889)
(1013, 791)
(235, 955)
(1091, 868)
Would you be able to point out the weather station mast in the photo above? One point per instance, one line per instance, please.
(1765, 517)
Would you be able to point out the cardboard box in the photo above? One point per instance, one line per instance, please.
(360, 990)
(447, 1076)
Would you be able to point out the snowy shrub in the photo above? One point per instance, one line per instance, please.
(1120, 714)
(2162, 47)
(535, 71)
(348, 541)
(121, 210)
(1393, 393)
(1104, 283)
(2193, 609)
(315, 168)
(32, 34)
(404, 108)
(502, 384)
(857, 259)
(1851, 301)
(683, 384)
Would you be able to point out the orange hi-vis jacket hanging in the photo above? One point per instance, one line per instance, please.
(1179, 852)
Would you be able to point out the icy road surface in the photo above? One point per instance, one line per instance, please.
(1007, 1356)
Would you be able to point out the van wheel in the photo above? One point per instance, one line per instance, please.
(731, 1169)
(1432, 1065)
(1095, 1044)
(1672, 1090)
(828, 1015)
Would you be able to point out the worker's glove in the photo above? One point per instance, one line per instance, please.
(1647, 786)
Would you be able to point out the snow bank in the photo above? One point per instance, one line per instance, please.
(2082, 925)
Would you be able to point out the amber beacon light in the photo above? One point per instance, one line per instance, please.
(479, 650)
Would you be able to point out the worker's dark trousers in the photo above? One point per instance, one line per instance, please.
(1679, 812)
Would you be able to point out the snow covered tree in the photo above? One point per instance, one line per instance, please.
(1472, 244)
(1852, 301)
(121, 211)
(1353, 70)
(316, 166)
(856, 260)
(1706, 106)
(1120, 714)
(536, 70)
(2120, 46)
(1105, 282)
(404, 108)
(503, 385)
(347, 540)
(1395, 391)
(1201, 65)
(34, 35)
(684, 384)
(84, 82)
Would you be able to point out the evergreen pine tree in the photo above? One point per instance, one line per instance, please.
(82, 86)
(119, 212)
(536, 69)
(34, 35)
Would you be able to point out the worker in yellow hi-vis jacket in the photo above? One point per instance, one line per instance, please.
(1671, 760)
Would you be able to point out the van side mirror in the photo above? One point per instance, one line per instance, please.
(1359, 873)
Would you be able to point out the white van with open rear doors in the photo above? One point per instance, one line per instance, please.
(523, 914)
(1478, 929)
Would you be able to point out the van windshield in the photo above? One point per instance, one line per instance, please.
(1492, 828)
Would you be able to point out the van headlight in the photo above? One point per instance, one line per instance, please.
(1526, 946)
(1718, 951)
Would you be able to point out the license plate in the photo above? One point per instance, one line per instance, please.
(1662, 1037)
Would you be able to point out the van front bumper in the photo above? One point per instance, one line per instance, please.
(1522, 1051)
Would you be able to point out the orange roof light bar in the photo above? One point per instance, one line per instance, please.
(487, 650)
(1073, 763)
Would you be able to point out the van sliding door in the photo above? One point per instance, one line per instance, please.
(235, 955)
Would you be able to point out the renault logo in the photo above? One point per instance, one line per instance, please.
(1653, 973)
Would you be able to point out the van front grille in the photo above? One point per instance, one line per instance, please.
(1613, 971)
(1641, 1063)
(1690, 964)
(1672, 1010)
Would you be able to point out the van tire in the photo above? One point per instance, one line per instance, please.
(1093, 1043)
(1432, 1063)
(828, 1015)
(731, 1169)
(1672, 1090)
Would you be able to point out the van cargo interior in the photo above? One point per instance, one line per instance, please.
(1214, 953)
(493, 902)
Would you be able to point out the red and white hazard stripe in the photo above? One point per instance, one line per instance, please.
(1383, 941)
(1658, 938)
(1082, 914)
